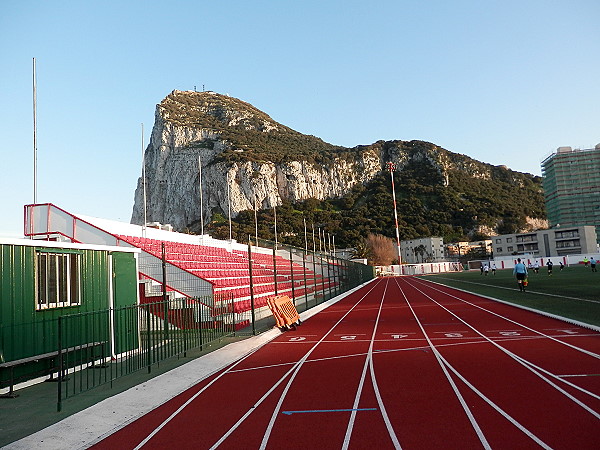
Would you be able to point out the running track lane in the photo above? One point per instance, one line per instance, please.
(399, 363)
(526, 382)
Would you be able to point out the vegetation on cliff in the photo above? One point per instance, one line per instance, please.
(426, 207)
(439, 193)
(251, 134)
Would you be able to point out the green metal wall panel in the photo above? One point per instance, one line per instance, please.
(124, 285)
(125, 291)
(25, 331)
(20, 333)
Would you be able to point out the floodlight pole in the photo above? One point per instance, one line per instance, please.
(305, 236)
(34, 135)
(392, 167)
(255, 220)
(320, 241)
(201, 199)
(144, 184)
(229, 208)
(275, 219)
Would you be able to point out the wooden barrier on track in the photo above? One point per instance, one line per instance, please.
(284, 311)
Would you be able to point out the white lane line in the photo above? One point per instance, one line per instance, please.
(496, 407)
(172, 416)
(527, 364)
(295, 370)
(407, 332)
(386, 418)
(472, 341)
(486, 399)
(369, 365)
(580, 375)
(443, 366)
(353, 334)
(544, 335)
(574, 386)
(587, 352)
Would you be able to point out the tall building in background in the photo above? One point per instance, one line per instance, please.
(572, 187)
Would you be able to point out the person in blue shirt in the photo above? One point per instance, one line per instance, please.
(520, 271)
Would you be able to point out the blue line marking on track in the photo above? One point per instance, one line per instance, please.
(289, 413)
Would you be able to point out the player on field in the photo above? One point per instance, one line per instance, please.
(520, 272)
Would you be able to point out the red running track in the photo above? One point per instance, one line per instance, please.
(400, 363)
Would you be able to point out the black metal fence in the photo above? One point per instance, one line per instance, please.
(99, 347)
(96, 348)
(314, 276)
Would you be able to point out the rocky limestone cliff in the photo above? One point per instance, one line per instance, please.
(262, 161)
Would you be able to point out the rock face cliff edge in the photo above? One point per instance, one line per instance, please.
(248, 160)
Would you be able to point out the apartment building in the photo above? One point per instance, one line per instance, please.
(572, 187)
(559, 241)
(455, 250)
(415, 251)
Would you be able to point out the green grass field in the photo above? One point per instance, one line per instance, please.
(573, 293)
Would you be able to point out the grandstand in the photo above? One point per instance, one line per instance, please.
(231, 275)
(228, 270)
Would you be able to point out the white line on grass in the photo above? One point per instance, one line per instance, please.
(513, 289)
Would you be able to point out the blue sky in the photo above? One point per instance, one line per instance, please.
(505, 82)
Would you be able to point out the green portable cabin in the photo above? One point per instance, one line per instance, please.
(44, 280)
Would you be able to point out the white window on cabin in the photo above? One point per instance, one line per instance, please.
(58, 277)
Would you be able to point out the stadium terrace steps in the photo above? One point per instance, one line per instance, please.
(229, 273)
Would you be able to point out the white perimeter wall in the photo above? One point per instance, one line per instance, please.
(419, 269)
(569, 260)
(501, 263)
